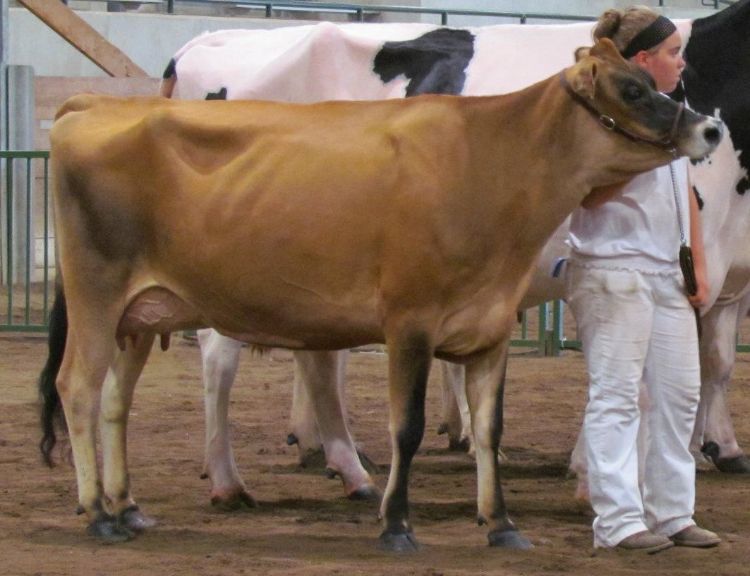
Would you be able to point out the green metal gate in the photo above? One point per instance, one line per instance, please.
(26, 258)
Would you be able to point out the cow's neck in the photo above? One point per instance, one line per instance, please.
(550, 153)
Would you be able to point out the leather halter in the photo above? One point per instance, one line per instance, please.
(609, 123)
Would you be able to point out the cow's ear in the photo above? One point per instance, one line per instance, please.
(581, 52)
(583, 79)
(606, 50)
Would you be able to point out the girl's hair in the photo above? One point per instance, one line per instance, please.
(621, 26)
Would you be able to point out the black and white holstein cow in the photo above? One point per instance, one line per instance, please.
(386, 61)
(422, 236)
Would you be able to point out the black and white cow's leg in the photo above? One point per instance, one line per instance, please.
(116, 400)
(322, 373)
(409, 361)
(220, 356)
(714, 438)
(303, 422)
(456, 420)
(485, 381)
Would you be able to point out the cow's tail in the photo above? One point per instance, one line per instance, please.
(168, 79)
(50, 405)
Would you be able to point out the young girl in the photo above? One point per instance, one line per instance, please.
(637, 323)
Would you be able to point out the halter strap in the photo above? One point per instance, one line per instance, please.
(609, 123)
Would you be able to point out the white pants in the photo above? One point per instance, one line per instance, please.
(635, 327)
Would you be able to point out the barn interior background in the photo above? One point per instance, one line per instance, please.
(52, 49)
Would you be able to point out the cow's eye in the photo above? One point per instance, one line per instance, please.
(633, 93)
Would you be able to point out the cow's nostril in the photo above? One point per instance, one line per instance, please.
(712, 134)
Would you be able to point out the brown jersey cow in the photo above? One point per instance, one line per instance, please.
(414, 223)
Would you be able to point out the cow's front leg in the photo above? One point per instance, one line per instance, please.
(220, 357)
(408, 368)
(485, 380)
(322, 376)
(117, 398)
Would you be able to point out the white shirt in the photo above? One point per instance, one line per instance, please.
(638, 228)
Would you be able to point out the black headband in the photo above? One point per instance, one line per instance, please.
(653, 34)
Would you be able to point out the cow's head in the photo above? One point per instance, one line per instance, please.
(624, 99)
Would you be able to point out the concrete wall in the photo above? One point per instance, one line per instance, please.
(149, 40)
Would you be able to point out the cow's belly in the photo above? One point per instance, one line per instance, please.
(273, 317)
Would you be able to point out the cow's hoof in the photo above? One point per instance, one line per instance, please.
(509, 539)
(368, 492)
(398, 542)
(459, 445)
(736, 465)
(108, 530)
(235, 500)
(135, 520)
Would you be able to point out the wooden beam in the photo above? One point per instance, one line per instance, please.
(76, 31)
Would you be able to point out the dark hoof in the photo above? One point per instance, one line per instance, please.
(108, 530)
(509, 539)
(134, 520)
(735, 465)
(401, 542)
(367, 493)
(235, 501)
(442, 429)
(292, 439)
(462, 445)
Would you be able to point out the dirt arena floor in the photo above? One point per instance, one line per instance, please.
(304, 525)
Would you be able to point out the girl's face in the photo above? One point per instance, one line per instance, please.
(664, 63)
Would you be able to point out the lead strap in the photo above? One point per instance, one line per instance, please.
(676, 190)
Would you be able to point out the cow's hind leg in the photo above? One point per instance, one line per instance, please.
(714, 438)
(220, 356)
(456, 421)
(117, 398)
(302, 422)
(408, 368)
(87, 358)
(485, 380)
(323, 375)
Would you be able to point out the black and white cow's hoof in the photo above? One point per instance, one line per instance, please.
(459, 444)
(234, 499)
(108, 530)
(733, 465)
(736, 465)
(509, 538)
(135, 520)
(398, 542)
(369, 493)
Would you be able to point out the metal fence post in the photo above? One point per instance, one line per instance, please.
(18, 202)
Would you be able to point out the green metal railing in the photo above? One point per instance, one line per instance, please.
(24, 298)
(359, 10)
